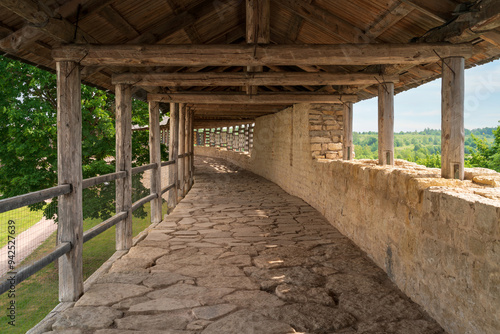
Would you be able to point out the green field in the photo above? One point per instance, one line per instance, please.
(38, 295)
(24, 218)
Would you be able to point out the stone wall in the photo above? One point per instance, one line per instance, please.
(438, 240)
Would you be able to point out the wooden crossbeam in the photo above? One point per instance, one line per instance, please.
(268, 98)
(252, 79)
(250, 55)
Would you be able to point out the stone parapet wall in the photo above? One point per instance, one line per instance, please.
(438, 240)
(326, 131)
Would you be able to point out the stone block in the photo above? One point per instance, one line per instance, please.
(335, 146)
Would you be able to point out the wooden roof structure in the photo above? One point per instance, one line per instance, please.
(237, 60)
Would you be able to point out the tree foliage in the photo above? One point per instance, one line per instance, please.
(28, 135)
(487, 155)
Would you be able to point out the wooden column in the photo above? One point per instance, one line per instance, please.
(247, 137)
(347, 145)
(155, 158)
(187, 147)
(173, 154)
(69, 167)
(182, 146)
(386, 123)
(452, 118)
(123, 95)
(191, 157)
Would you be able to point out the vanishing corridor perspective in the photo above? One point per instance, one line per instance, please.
(240, 255)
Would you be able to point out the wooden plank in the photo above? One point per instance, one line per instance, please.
(347, 143)
(270, 98)
(393, 16)
(155, 158)
(117, 21)
(93, 181)
(386, 123)
(182, 148)
(168, 163)
(144, 200)
(173, 153)
(143, 168)
(253, 79)
(98, 229)
(16, 202)
(452, 119)
(441, 10)
(69, 167)
(164, 190)
(123, 96)
(250, 55)
(325, 20)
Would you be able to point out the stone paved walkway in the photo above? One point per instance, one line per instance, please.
(239, 255)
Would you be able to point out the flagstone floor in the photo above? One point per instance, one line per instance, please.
(240, 255)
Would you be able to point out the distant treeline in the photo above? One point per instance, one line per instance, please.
(423, 147)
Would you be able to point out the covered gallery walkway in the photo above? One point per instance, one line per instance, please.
(240, 255)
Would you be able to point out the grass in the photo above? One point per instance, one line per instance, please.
(24, 218)
(38, 295)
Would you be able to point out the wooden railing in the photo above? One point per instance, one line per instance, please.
(65, 247)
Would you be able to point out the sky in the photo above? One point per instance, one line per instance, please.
(420, 108)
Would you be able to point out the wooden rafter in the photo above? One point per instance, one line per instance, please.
(253, 79)
(249, 55)
(393, 16)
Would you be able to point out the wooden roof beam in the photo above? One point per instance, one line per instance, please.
(252, 79)
(257, 55)
(393, 16)
(40, 16)
(481, 18)
(263, 98)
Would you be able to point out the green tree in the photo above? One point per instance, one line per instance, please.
(28, 137)
(487, 156)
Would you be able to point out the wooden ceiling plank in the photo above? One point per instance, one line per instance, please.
(325, 20)
(390, 18)
(116, 20)
(440, 11)
(269, 98)
(254, 79)
(249, 55)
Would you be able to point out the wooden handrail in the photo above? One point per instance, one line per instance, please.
(166, 163)
(33, 197)
(90, 182)
(143, 168)
(98, 229)
(143, 201)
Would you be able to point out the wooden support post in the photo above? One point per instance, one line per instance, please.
(173, 154)
(69, 167)
(386, 123)
(187, 146)
(192, 150)
(348, 147)
(123, 95)
(452, 119)
(247, 137)
(155, 158)
(182, 146)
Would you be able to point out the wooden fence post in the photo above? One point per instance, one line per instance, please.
(187, 148)
(155, 157)
(182, 147)
(69, 171)
(173, 154)
(123, 97)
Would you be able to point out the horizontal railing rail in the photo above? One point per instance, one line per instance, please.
(164, 190)
(143, 201)
(15, 278)
(108, 223)
(34, 197)
(166, 163)
(93, 181)
(143, 168)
